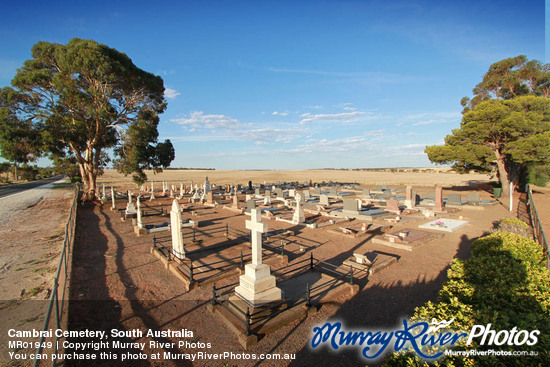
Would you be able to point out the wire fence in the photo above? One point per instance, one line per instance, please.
(57, 314)
(538, 229)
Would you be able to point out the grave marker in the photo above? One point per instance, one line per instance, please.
(257, 286)
(299, 216)
(438, 205)
(175, 229)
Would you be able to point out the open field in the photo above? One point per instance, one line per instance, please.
(428, 177)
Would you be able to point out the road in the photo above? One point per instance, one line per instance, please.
(13, 189)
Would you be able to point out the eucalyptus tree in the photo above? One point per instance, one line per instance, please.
(83, 100)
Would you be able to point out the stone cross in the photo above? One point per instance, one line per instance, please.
(175, 229)
(257, 227)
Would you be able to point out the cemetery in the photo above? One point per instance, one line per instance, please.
(264, 259)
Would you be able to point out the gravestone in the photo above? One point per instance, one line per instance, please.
(366, 192)
(279, 192)
(332, 191)
(257, 286)
(210, 197)
(317, 191)
(267, 200)
(299, 216)
(113, 206)
(438, 205)
(392, 205)
(139, 221)
(257, 192)
(323, 199)
(130, 208)
(164, 188)
(175, 229)
(207, 187)
(152, 191)
(454, 199)
(350, 206)
(474, 198)
(235, 202)
(306, 194)
(292, 193)
(410, 199)
(250, 185)
(250, 204)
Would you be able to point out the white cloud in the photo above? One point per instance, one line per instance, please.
(269, 135)
(171, 93)
(441, 115)
(430, 122)
(275, 113)
(375, 132)
(198, 120)
(344, 117)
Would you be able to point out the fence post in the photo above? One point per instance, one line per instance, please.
(226, 230)
(191, 271)
(308, 296)
(242, 260)
(311, 261)
(214, 301)
(282, 247)
(351, 276)
(247, 320)
(193, 234)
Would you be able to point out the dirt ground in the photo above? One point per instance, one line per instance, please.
(31, 238)
(119, 284)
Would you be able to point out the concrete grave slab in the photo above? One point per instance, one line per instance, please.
(406, 239)
(444, 224)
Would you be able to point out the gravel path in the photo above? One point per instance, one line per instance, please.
(13, 205)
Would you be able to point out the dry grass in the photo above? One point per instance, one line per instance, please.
(422, 177)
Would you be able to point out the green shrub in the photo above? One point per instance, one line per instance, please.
(504, 283)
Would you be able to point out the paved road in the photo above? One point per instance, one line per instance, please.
(13, 189)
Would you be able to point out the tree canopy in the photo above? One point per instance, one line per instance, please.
(505, 126)
(80, 100)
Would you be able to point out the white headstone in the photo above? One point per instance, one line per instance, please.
(257, 227)
(299, 216)
(139, 221)
(175, 229)
(206, 186)
(152, 191)
(113, 198)
(257, 286)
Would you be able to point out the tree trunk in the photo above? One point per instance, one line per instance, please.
(88, 181)
(503, 174)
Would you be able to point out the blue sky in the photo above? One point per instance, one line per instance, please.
(295, 84)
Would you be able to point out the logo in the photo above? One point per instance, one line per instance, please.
(428, 340)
